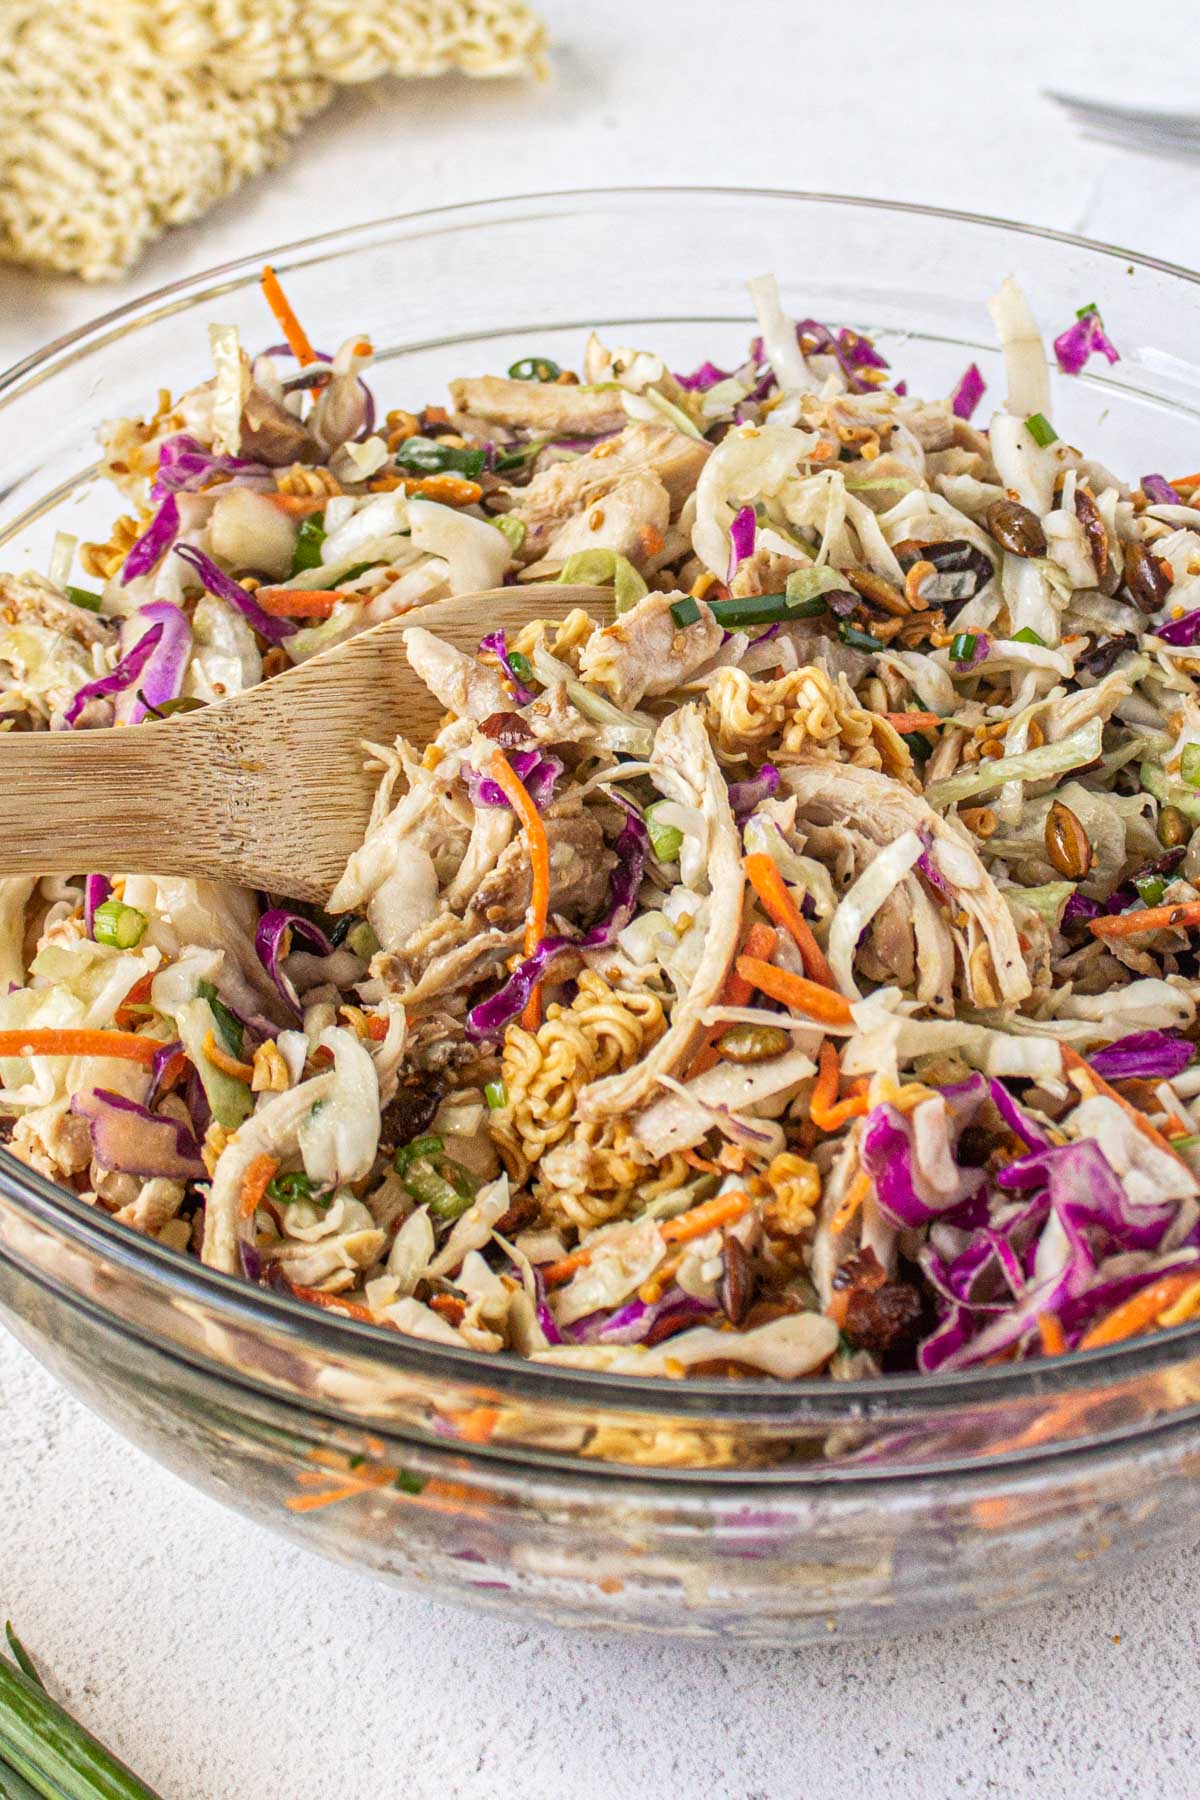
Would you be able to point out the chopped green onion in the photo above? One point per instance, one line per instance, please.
(419, 1146)
(447, 1191)
(534, 368)
(228, 1023)
(919, 747)
(54, 1753)
(286, 1190)
(407, 1483)
(1027, 635)
(962, 648)
(685, 612)
(1040, 429)
(84, 597)
(517, 455)
(496, 1095)
(426, 456)
(520, 665)
(666, 841)
(1189, 765)
(362, 941)
(1151, 888)
(1082, 312)
(310, 537)
(856, 639)
(118, 925)
(513, 529)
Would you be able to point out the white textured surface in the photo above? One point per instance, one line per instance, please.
(226, 1665)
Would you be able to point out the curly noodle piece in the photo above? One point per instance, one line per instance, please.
(803, 713)
(570, 635)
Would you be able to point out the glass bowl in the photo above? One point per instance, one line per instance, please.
(753, 1510)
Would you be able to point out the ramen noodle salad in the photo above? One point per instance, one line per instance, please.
(795, 975)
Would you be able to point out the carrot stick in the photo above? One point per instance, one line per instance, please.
(299, 603)
(221, 1059)
(476, 1426)
(254, 1184)
(1146, 918)
(126, 1045)
(555, 1273)
(1054, 1338)
(335, 1303)
(1073, 1060)
(721, 1210)
(772, 890)
(760, 942)
(856, 1193)
(1139, 1311)
(1183, 483)
(913, 721)
(826, 1111)
(538, 845)
(289, 324)
(796, 991)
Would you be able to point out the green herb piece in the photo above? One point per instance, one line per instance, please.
(685, 612)
(517, 455)
(496, 1095)
(962, 648)
(1151, 888)
(362, 941)
(534, 368)
(599, 567)
(666, 841)
(408, 1483)
(919, 747)
(286, 1190)
(1189, 765)
(309, 539)
(1027, 635)
(426, 456)
(229, 1024)
(56, 1756)
(1040, 429)
(513, 529)
(84, 597)
(520, 665)
(419, 1146)
(118, 925)
(856, 639)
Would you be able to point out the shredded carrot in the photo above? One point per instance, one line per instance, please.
(856, 1193)
(721, 1210)
(826, 1111)
(289, 324)
(335, 1303)
(476, 1426)
(1184, 483)
(809, 997)
(262, 1171)
(133, 1007)
(1073, 1060)
(299, 603)
(761, 942)
(772, 890)
(363, 347)
(913, 721)
(652, 539)
(538, 846)
(377, 1028)
(1054, 1338)
(126, 1045)
(306, 1503)
(221, 1059)
(821, 452)
(555, 1273)
(1146, 918)
(703, 1163)
(1139, 1311)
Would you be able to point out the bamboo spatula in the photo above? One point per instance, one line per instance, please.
(267, 788)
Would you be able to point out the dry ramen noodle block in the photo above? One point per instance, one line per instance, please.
(196, 100)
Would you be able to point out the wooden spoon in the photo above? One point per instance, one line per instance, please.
(268, 788)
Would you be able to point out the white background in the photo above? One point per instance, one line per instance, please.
(227, 1666)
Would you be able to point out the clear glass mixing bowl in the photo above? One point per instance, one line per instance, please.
(760, 1511)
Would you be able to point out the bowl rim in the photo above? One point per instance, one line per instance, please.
(65, 1214)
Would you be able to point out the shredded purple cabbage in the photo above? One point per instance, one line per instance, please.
(1081, 340)
(130, 1138)
(273, 942)
(634, 1322)
(1159, 490)
(968, 392)
(536, 771)
(162, 676)
(816, 339)
(154, 542)
(1079, 908)
(744, 796)
(703, 378)
(497, 643)
(1183, 631)
(1144, 1056)
(859, 351)
(226, 588)
(184, 465)
(117, 680)
(158, 1068)
(1016, 1118)
(741, 539)
(908, 1194)
(96, 889)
